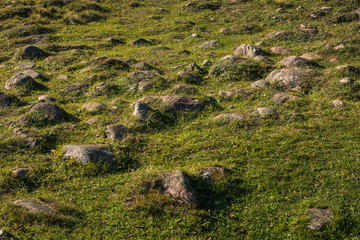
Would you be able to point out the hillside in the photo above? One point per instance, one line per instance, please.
(221, 119)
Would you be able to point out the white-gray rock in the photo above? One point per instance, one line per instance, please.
(265, 112)
(248, 50)
(46, 98)
(290, 78)
(337, 103)
(260, 84)
(19, 79)
(35, 207)
(86, 154)
(347, 81)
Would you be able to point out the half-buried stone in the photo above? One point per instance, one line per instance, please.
(25, 66)
(93, 107)
(248, 50)
(4, 235)
(91, 153)
(290, 78)
(141, 110)
(75, 88)
(296, 61)
(229, 117)
(283, 97)
(232, 93)
(5, 100)
(347, 81)
(184, 89)
(260, 84)
(266, 112)
(116, 132)
(46, 98)
(34, 74)
(35, 207)
(30, 52)
(177, 185)
(19, 80)
(51, 110)
(319, 218)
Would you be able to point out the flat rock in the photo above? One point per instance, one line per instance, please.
(140, 41)
(141, 110)
(290, 78)
(116, 132)
(91, 153)
(5, 100)
(143, 66)
(184, 89)
(319, 218)
(143, 74)
(34, 74)
(231, 93)
(283, 97)
(31, 52)
(51, 110)
(93, 107)
(19, 79)
(337, 103)
(35, 207)
(260, 84)
(229, 117)
(247, 50)
(75, 87)
(347, 81)
(176, 103)
(209, 44)
(310, 56)
(112, 63)
(347, 68)
(25, 66)
(265, 112)
(296, 61)
(46, 98)
(213, 173)
(4, 235)
(20, 173)
(281, 50)
(177, 185)
(63, 77)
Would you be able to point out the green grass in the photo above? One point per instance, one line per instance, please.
(278, 168)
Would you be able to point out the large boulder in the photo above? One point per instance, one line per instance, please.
(35, 207)
(91, 153)
(19, 80)
(51, 110)
(290, 78)
(177, 185)
(247, 50)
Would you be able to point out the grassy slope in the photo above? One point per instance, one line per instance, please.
(280, 167)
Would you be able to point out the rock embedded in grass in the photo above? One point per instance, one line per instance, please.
(46, 98)
(141, 110)
(296, 61)
(140, 41)
(347, 81)
(35, 207)
(51, 110)
(290, 78)
(177, 185)
(188, 77)
(91, 153)
(283, 97)
(4, 235)
(93, 107)
(184, 89)
(30, 142)
(25, 66)
(31, 52)
(145, 85)
(266, 112)
(281, 50)
(229, 117)
(337, 103)
(5, 100)
(174, 102)
(319, 218)
(34, 74)
(75, 87)
(248, 50)
(19, 80)
(209, 44)
(20, 173)
(231, 93)
(116, 132)
(260, 84)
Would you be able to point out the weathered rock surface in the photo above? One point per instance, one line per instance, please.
(20, 173)
(31, 52)
(281, 50)
(184, 89)
(247, 50)
(175, 102)
(319, 218)
(177, 185)
(51, 110)
(5, 100)
(4, 235)
(19, 79)
(260, 84)
(283, 97)
(46, 98)
(213, 173)
(141, 110)
(75, 87)
(35, 207)
(290, 78)
(209, 44)
(337, 103)
(93, 107)
(266, 112)
(347, 81)
(30, 142)
(33, 74)
(188, 77)
(91, 153)
(143, 66)
(231, 93)
(112, 63)
(296, 61)
(229, 117)
(25, 66)
(116, 132)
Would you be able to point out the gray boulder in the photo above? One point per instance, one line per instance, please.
(35, 207)
(177, 185)
(283, 97)
(141, 110)
(266, 112)
(91, 153)
(4, 235)
(290, 78)
(296, 61)
(18, 80)
(51, 110)
(247, 50)
(33, 74)
(116, 132)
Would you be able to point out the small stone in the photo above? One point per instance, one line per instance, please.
(145, 85)
(185, 89)
(229, 117)
(30, 142)
(143, 66)
(35, 207)
(337, 103)
(281, 50)
(260, 84)
(33, 74)
(206, 63)
(25, 66)
(4, 235)
(144, 74)
(247, 50)
(227, 30)
(116, 132)
(188, 77)
(194, 68)
(51, 110)
(63, 77)
(140, 41)
(347, 68)
(91, 153)
(341, 46)
(319, 218)
(75, 87)
(213, 173)
(295, 61)
(31, 52)
(141, 110)
(335, 59)
(93, 107)
(261, 58)
(283, 97)
(92, 121)
(19, 79)
(347, 81)
(46, 98)
(310, 56)
(195, 35)
(20, 173)
(326, 8)
(209, 44)
(231, 93)
(266, 112)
